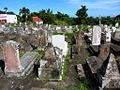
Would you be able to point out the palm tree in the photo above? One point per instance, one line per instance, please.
(5, 8)
(24, 13)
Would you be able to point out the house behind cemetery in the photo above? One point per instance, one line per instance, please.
(8, 18)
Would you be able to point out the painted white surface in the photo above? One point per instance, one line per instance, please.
(10, 18)
(96, 35)
(59, 41)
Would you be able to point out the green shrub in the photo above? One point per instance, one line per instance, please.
(41, 54)
(60, 22)
(83, 27)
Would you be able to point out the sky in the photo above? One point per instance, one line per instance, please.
(95, 7)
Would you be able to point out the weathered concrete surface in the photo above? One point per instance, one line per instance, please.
(117, 34)
(115, 48)
(94, 49)
(80, 70)
(11, 58)
(94, 63)
(20, 84)
(104, 51)
(27, 62)
(50, 54)
(1, 54)
(112, 76)
(14, 65)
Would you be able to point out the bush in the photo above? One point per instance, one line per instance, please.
(70, 37)
(83, 27)
(59, 22)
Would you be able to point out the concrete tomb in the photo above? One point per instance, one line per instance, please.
(96, 35)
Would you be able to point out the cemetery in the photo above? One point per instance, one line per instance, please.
(44, 50)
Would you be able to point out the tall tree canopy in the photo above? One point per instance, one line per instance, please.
(82, 14)
(24, 13)
(46, 15)
(5, 8)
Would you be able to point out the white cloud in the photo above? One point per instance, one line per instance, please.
(99, 4)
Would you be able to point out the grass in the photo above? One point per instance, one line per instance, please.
(70, 37)
(67, 58)
(80, 86)
(41, 54)
(64, 76)
(56, 33)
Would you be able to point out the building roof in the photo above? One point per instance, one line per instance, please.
(36, 19)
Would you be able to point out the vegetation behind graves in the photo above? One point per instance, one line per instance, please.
(60, 18)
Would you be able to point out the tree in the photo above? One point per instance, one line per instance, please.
(61, 16)
(5, 8)
(82, 14)
(47, 16)
(24, 12)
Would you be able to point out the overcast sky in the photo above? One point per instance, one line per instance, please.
(95, 7)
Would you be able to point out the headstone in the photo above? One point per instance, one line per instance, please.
(90, 30)
(80, 71)
(49, 26)
(58, 28)
(11, 58)
(117, 25)
(65, 27)
(76, 26)
(70, 27)
(111, 78)
(11, 30)
(20, 24)
(114, 29)
(1, 28)
(96, 35)
(108, 34)
(46, 25)
(105, 26)
(104, 51)
(117, 34)
(42, 65)
(49, 37)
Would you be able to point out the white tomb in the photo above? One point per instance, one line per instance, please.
(117, 25)
(96, 35)
(108, 34)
